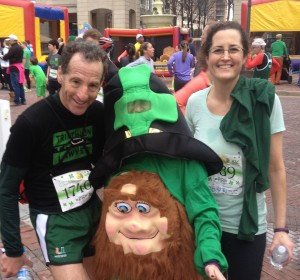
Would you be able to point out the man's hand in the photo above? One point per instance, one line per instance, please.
(213, 272)
(10, 266)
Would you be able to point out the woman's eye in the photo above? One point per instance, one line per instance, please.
(123, 207)
(143, 207)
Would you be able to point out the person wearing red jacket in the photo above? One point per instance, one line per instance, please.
(263, 63)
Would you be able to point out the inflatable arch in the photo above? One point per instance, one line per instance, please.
(24, 19)
(272, 15)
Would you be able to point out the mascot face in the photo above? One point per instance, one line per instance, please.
(136, 225)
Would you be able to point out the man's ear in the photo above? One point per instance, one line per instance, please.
(59, 75)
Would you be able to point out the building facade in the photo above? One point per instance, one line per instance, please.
(125, 13)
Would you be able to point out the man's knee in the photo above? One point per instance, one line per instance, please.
(69, 272)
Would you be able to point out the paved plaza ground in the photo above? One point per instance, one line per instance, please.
(290, 99)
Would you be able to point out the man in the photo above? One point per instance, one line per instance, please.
(139, 41)
(94, 36)
(279, 52)
(26, 63)
(263, 63)
(16, 69)
(53, 61)
(63, 135)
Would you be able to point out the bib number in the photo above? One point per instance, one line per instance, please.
(73, 189)
(230, 179)
(53, 73)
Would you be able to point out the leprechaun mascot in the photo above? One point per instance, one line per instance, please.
(159, 219)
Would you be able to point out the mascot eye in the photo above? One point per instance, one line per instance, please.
(143, 207)
(123, 207)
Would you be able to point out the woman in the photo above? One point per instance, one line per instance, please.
(180, 66)
(130, 49)
(263, 63)
(241, 119)
(147, 52)
(200, 81)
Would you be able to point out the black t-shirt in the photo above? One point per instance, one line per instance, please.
(38, 142)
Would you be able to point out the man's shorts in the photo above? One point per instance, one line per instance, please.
(65, 238)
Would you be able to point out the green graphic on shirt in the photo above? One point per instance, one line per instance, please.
(63, 149)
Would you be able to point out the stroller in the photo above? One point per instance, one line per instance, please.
(287, 70)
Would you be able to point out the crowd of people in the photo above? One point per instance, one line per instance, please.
(229, 154)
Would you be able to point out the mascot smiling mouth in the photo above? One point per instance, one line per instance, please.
(139, 238)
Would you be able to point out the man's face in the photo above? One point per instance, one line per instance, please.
(51, 48)
(136, 225)
(141, 40)
(81, 84)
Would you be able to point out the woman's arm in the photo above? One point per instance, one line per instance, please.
(277, 177)
(258, 60)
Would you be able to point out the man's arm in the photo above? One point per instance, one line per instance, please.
(10, 179)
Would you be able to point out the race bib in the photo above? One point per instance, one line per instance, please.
(73, 189)
(230, 179)
(53, 73)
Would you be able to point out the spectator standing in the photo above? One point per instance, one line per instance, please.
(139, 41)
(94, 36)
(241, 120)
(263, 63)
(16, 69)
(130, 57)
(53, 62)
(200, 81)
(147, 52)
(61, 136)
(4, 66)
(60, 45)
(192, 47)
(26, 63)
(180, 66)
(38, 75)
(279, 52)
(30, 47)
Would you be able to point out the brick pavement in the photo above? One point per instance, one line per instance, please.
(290, 103)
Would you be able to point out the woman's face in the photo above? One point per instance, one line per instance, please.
(225, 65)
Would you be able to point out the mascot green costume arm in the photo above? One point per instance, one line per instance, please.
(147, 132)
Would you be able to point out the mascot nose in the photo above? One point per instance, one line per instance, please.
(137, 225)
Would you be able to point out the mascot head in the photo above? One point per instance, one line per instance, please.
(144, 232)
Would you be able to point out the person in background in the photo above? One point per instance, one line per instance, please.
(241, 119)
(4, 65)
(30, 47)
(53, 62)
(279, 52)
(200, 81)
(147, 53)
(139, 41)
(39, 76)
(130, 57)
(64, 136)
(26, 63)
(94, 36)
(263, 63)
(180, 66)
(16, 69)
(192, 47)
(60, 45)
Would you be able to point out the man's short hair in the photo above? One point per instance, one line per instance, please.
(90, 52)
(92, 33)
(34, 60)
(53, 43)
(278, 36)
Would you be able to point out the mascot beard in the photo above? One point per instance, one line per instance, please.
(144, 232)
